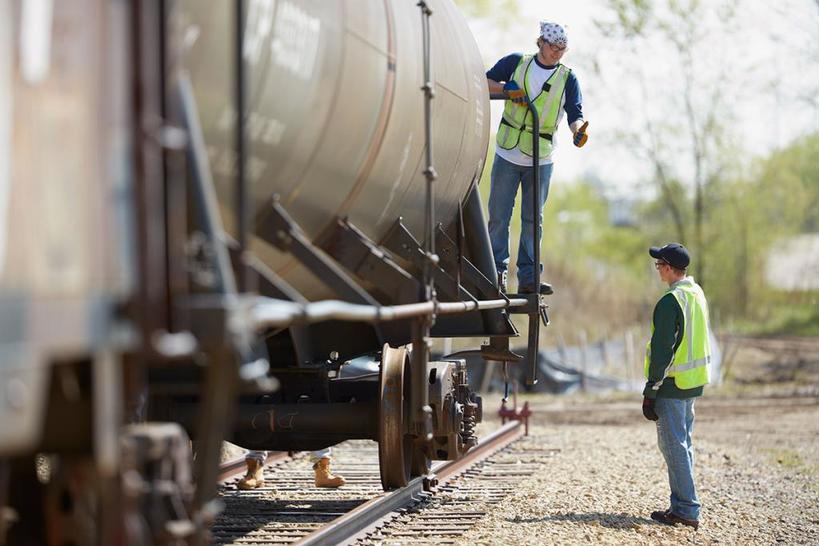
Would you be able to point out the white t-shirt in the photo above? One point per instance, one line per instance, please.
(535, 80)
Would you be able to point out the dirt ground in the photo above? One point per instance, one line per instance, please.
(756, 461)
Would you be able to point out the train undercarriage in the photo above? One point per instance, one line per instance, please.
(196, 311)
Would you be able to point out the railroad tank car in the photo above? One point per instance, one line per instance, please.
(173, 270)
(336, 116)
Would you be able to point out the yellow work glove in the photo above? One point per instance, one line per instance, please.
(580, 137)
(514, 93)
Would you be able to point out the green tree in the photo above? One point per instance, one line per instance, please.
(779, 198)
(502, 11)
(679, 119)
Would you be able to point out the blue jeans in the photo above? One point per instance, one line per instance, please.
(261, 456)
(674, 430)
(506, 177)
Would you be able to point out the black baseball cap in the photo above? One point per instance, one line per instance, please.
(674, 254)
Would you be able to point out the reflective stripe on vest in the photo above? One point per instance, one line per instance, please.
(517, 116)
(690, 365)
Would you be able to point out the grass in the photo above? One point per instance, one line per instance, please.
(793, 319)
(787, 458)
(793, 461)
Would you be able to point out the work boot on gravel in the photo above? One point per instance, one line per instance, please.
(669, 518)
(323, 476)
(254, 477)
(659, 514)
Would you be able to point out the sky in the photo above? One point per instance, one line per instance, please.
(769, 61)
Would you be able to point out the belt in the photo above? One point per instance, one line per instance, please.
(547, 136)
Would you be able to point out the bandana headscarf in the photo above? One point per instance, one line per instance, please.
(553, 33)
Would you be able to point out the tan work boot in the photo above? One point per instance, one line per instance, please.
(323, 476)
(254, 477)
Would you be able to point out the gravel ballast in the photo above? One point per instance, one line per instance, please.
(757, 465)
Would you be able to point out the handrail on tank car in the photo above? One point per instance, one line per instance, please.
(272, 313)
(534, 328)
(535, 177)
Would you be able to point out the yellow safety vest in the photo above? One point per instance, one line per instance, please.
(516, 124)
(690, 366)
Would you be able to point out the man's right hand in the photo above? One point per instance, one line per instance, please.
(648, 409)
(514, 93)
(580, 137)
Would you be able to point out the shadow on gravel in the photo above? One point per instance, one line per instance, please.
(612, 521)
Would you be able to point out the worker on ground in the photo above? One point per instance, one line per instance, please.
(676, 368)
(254, 477)
(553, 89)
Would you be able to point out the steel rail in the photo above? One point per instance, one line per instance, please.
(489, 445)
(361, 519)
(277, 313)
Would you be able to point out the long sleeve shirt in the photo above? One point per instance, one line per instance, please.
(571, 101)
(668, 333)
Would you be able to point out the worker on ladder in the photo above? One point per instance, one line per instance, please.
(553, 89)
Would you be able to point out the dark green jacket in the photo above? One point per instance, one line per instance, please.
(668, 334)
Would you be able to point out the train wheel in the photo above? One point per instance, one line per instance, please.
(421, 463)
(73, 502)
(395, 453)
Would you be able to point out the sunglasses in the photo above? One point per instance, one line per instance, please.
(556, 48)
(658, 265)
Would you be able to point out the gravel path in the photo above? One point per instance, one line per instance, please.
(757, 464)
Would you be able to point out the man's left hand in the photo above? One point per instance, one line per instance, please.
(648, 409)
